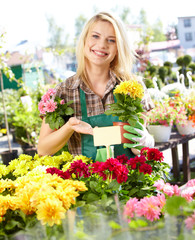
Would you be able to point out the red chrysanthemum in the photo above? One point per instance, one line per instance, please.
(145, 168)
(155, 155)
(122, 158)
(96, 166)
(135, 162)
(144, 151)
(79, 168)
(122, 174)
(60, 173)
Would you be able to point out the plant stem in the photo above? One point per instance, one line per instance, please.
(5, 113)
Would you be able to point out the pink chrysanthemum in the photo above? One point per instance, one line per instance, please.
(41, 107)
(45, 97)
(190, 222)
(129, 209)
(159, 184)
(50, 105)
(176, 190)
(161, 200)
(190, 183)
(51, 91)
(168, 189)
(149, 208)
(188, 193)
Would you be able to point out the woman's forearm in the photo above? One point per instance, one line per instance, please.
(50, 141)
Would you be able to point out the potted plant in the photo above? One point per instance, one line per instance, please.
(185, 118)
(54, 109)
(4, 69)
(160, 120)
(127, 107)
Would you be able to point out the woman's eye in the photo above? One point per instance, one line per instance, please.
(95, 36)
(111, 40)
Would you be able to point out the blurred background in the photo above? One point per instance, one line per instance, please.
(42, 34)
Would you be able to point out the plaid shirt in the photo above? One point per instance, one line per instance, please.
(70, 90)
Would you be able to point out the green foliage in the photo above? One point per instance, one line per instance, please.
(192, 67)
(187, 60)
(126, 108)
(174, 205)
(16, 221)
(97, 190)
(61, 115)
(163, 72)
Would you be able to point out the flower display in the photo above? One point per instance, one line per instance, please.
(162, 114)
(41, 189)
(128, 106)
(45, 196)
(54, 109)
(169, 199)
(185, 108)
(127, 177)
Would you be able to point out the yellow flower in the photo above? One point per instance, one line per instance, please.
(7, 183)
(4, 205)
(3, 170)
(83, 158)
(130, 87)
(50, 211)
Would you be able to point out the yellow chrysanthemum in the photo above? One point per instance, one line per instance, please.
(66, 166)
(83, 158)
(21, 166)
(130, 87)
(3, 170)
(5, 183)
(50, 211)
(4, 205)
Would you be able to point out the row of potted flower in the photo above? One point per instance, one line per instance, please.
(42, 192)
(178, 110)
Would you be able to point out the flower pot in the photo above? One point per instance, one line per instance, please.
(7, 156)
(30, 151)
(121, 124)
(189, 128)
(160, 133)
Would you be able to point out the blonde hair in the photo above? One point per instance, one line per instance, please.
(122, 65)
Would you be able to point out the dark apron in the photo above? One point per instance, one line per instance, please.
(101, 120)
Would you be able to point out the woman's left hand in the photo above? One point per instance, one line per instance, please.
(139, 136)
(80, 126)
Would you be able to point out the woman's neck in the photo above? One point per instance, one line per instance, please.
(98, 79)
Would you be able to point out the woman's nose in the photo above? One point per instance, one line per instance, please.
(103, 43)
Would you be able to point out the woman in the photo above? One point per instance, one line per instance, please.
(103, 57)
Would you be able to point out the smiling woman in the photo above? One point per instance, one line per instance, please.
(104, 59)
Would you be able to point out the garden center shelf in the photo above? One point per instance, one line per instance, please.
(172, 144)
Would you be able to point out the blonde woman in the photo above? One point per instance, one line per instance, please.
(103, 57)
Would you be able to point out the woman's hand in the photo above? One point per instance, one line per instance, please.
(139, 135)
(80, 126)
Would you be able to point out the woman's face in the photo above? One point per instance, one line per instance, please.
(100, 45)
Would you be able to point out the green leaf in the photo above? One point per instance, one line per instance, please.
(93, 185)
(114, 225)
(138, 223)
(69, 111)
(12, 224)
(92, 197)
(114, 185)
(173, 205)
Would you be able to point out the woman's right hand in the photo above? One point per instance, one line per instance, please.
(80, 126)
